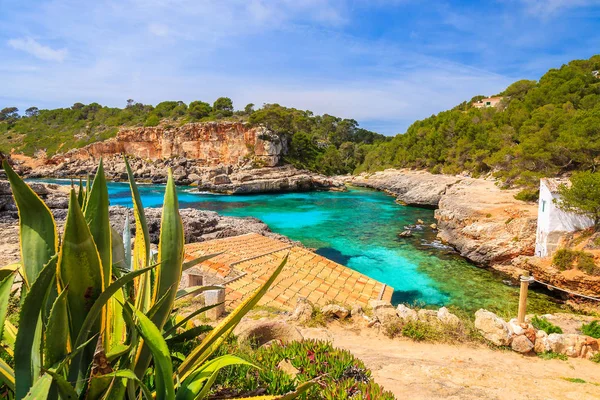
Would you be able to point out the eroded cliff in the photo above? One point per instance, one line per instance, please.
(208, 143)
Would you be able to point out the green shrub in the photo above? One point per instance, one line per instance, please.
(596, 358)
(419, 331)
(152, 120)
(528, 195)
(587, 264)
(592, 329)
(563, 259)
(541, 323)
(343, 376)
(550, 355)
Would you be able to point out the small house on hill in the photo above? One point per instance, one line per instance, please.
(554, 223)
(488, 102)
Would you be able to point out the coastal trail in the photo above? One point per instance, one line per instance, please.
(419, 371)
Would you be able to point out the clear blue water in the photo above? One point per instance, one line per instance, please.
(359, 229)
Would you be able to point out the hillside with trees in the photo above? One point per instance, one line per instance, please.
(321, 143)
(539, 129)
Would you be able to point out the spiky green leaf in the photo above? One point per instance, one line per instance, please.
(37, 229)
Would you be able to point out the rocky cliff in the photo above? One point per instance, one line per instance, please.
(222, 157)
(208, 143)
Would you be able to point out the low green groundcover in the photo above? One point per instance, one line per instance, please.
(339, 375)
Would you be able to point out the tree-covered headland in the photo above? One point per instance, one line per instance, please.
(322, 143)
(540, 129)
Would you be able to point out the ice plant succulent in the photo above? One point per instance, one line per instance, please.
(94, 324)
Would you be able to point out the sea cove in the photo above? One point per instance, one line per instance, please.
(359, 228)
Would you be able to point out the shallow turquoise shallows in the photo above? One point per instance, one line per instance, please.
(359, 228)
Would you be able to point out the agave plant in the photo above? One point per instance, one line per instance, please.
(92, 324)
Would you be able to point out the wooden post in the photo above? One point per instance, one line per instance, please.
(525, 280)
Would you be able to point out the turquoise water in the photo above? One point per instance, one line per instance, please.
(359, 228)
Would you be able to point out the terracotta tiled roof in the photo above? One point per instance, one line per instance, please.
(306, 274)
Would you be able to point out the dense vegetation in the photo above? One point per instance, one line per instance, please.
(324, 143)
(539, 129)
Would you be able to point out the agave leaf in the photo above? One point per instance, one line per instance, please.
(160, 352)
(158, 304)
(81, 194)
(27, 355)
(7, 375)
(201, 353)
(198, 384)
(37, 229)
(9, 269)
(195, 290)
(170, 253)
(94, 311)
(80, 268)
(5, 286)
(289, 396)
(192, 263)
(66, 391)
(40, 390)
(57, 332)
(190, 334)
(129, 374)
(118, 253)
(141, 246)
(127, 241)
(188, 318)
(9, 336)
(97, 218)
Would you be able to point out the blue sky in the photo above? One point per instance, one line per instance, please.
(384, 63)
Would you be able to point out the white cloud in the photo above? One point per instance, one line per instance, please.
(160, 30)
(546, 8)
(38, 50)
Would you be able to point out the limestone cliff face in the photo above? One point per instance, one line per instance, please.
(210, 144)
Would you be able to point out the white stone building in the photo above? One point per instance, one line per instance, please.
(554, 223)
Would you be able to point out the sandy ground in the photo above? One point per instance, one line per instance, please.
(419, 371)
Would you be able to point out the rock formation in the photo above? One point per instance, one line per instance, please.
(483, 222)
(209, 143)
(223, 157)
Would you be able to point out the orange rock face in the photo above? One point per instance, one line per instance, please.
(211, 144)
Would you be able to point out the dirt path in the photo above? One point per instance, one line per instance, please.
(419, 371)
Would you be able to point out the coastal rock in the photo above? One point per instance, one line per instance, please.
(356, 311)
(486, 224)
(303, 312)
(521, 344)
(447, 318)
(267, 180)
(405, 313)
(410, 187)
(492, 327)
(377, 305)
(541, 344)
(335, 311)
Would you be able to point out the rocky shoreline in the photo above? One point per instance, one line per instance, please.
(484, 223)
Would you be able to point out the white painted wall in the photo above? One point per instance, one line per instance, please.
(552, 222)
